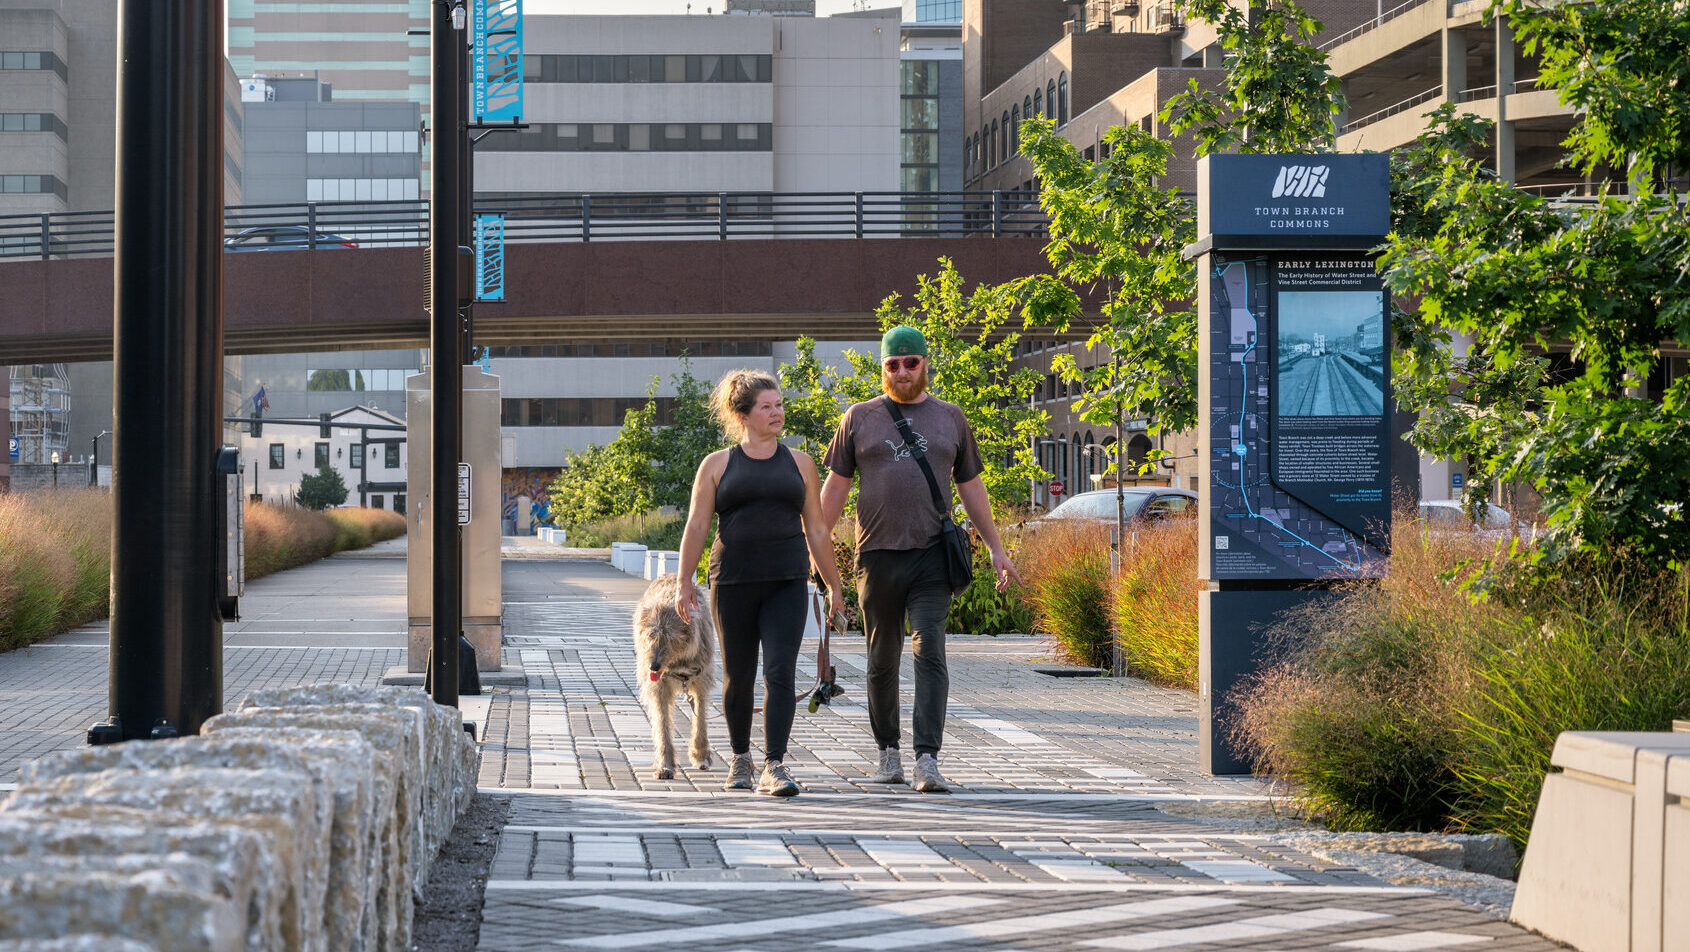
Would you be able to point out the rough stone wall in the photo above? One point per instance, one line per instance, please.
(306, 821)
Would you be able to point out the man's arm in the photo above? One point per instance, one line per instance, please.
(836, 491)
(979, 508)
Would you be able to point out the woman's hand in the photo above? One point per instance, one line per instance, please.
(835, 601)
(684, 599)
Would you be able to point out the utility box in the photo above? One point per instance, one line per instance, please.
(482, 594)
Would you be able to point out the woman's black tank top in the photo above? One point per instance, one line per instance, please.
(760, 535)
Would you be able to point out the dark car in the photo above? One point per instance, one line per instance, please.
(1142, 504)
(284, 238)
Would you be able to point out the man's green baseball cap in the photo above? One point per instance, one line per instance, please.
(903, 341)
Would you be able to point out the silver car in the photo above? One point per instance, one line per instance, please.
(1142, 504)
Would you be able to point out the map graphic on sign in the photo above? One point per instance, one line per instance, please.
(1262, 523)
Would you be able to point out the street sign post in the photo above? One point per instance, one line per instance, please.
(1056, 487)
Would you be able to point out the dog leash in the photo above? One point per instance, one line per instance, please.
(827, 686)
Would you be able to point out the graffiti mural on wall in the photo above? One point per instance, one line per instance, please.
(530, 481)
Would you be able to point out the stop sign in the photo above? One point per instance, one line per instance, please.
(1056, 487)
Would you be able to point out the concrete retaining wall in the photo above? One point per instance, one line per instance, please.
(305, 821)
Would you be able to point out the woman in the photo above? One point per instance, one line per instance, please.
(768, 498)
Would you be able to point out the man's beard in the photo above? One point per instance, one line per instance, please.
(904, 393)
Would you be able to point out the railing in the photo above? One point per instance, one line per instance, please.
(1374, 23)
(1390, 111)
(574, 217)
(1476, 93)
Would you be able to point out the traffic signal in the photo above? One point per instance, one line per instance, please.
(324, 431)
(257, 424)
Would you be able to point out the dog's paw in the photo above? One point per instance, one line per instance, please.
(703, 761)
(663, 773)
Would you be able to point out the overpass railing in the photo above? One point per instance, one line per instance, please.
(622, 216)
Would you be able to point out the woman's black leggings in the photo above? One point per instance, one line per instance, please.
(770, 614)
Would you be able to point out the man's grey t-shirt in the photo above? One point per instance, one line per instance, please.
(894, 506)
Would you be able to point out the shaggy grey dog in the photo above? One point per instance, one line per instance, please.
(674, 656)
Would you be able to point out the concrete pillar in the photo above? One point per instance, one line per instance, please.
(1505, 148)
(1455, 63)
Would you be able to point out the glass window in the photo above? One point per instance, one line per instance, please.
(357, 455)
(675, 69)
(278, 456)
(919, 78)
(1038, 104)
(639, 137)
(765, 68)
(710, 135)
(399, 503)
(604, 69)
(919, 148)
(376, 501)
(746, 131)
(320, 454)
(347, 141)
(639, 69)
(1062, 99)
(390, 454)
(711, 68)
(361, 142)
(747, 68)
(604, 134)
(920, 113)
(1014, 130)
(314, 141)
(1050, 100)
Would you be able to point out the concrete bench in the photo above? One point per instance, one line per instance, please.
(1607, 868)
(628, 557)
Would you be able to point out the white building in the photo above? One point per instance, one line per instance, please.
(370, 462)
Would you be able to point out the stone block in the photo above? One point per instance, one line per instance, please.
(396, 739)
(283, 806)
(1675, 878)
(77, 943)
(153, 907)
(240, 857)
(341, 771)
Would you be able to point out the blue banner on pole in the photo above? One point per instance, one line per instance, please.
(496, 66)
(490, 257)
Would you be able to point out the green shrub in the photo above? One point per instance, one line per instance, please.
(1432, 699)
(983, 610)
(1066, 569)
(654, 530)
(1153, 603)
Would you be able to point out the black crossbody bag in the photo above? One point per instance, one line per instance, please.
(953, 540)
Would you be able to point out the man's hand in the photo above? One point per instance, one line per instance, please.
(1004, 569)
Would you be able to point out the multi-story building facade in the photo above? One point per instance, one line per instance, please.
(302, 147)
(370, 462)
(364, 49)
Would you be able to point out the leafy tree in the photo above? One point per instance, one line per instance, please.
(1112, 231)
(1516, 276)
(812, 399)
(971, 359)
(321, 489)
(648, 465)
(1277, 94)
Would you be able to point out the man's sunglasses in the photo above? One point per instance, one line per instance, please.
(901, 363)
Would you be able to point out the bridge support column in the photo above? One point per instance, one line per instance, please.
(166, 674)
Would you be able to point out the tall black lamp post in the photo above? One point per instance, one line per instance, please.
(94, 458)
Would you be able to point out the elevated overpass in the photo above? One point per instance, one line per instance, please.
(731, 267)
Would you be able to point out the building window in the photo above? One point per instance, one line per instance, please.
(1026, 109)
(278, 456)
(357, 456)
(640, 137)
(34, 185)
(343, 379)
(34, 122)
(992, 139)
(320, 455)
(1004, 139)
(1038, 104)
(1014, 131)
(378, 142)
(399, 503)
(34, 60)
(578, 411)
(376, 501)
(1050, 100)
(1062, 100)
(643, 68)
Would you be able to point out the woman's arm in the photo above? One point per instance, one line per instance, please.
(699, 513)
(818, 535)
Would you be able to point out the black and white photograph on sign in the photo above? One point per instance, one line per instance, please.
(1331, 353)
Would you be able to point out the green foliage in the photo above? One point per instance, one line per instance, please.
(1624, 66)
(971, 358)
(983, 610)
(653, 530)
(1278, 95)
(1153, 604)
(1066, 570)
(321, 489)
(647, 465)
(1109, 227)
(811, 400)
(1515, 276)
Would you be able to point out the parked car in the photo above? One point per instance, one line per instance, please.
(284, 238)
(1446, 515)
(1143, 504)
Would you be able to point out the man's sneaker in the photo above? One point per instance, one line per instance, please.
(739, 773)
(777, 780)
(891, 768)
(927, 777)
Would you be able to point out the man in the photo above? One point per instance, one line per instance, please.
(900, 565)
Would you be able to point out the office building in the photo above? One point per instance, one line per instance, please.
(300, 146)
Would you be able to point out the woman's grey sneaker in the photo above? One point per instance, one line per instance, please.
(739, 773)
(927, 776)
(890, 769)
(777, 780)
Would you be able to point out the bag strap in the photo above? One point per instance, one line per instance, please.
(920, 458)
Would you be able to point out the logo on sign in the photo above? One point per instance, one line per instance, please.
(463, 494)
(1301, 181)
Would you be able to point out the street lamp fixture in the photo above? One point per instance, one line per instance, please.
(460, 17)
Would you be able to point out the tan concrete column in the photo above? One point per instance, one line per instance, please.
(1505, 148)
(1455, 62)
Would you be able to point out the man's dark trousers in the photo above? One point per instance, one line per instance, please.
(895, 586)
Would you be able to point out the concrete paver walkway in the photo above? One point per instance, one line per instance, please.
(1052, 840)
